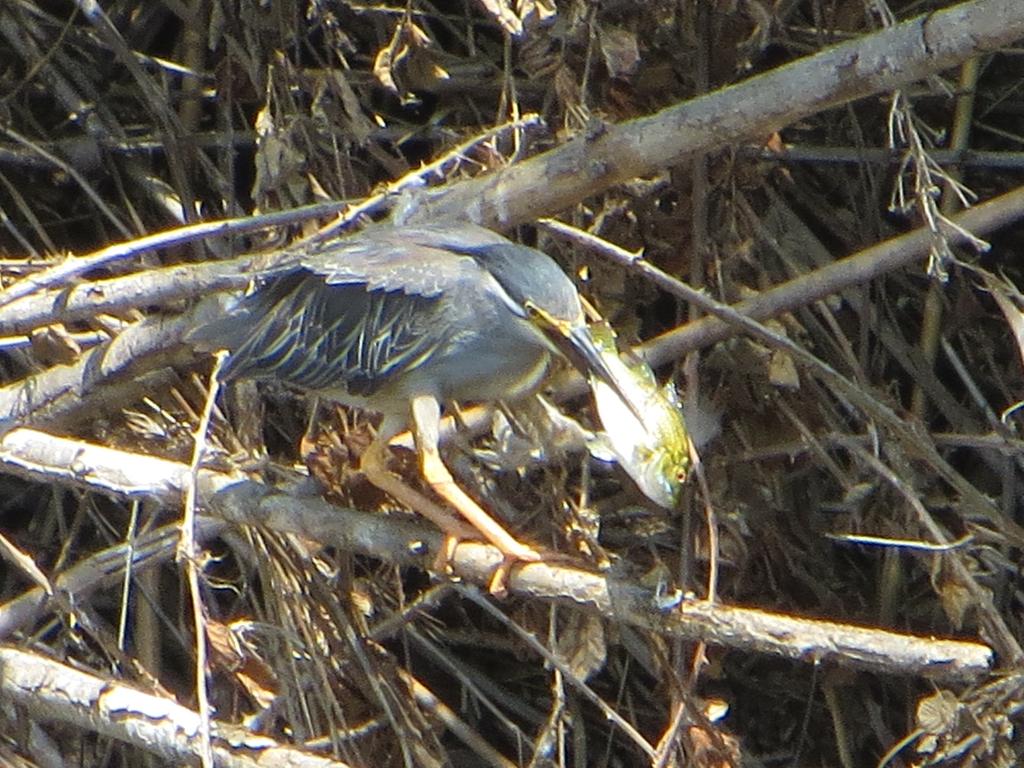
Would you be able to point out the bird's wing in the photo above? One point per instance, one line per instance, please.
(355, 312)
(423, 261)
(300, 330)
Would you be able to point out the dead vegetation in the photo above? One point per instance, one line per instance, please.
(809, 278)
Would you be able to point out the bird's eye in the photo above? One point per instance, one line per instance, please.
(534, 313)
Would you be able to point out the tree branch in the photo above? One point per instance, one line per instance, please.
(608, 155)
(50, 690)
(406, 542)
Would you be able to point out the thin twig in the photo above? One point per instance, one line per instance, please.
(189, 554)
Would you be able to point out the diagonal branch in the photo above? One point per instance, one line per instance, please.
(608, 155)
(54, 691)
(37, 454)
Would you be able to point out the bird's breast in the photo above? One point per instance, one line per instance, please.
(483, 368)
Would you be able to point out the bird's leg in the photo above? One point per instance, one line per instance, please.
(426, 415)
(374, 466)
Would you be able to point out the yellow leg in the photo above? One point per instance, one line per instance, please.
(374, 465)
(426, 414)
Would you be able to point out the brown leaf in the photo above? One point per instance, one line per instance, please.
(250, 671)
(53, 345)
(504, 15)
(1002, 291)
(620, 51)
(583, 645)
(535, 12)
(406, 62)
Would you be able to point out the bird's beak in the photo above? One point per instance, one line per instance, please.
(575, 341)
(595, 360)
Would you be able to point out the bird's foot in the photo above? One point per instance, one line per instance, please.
(446, 554)
(497, 585)
(513, 552)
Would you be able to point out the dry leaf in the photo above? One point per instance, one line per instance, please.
(782, 370)
(386, 58)
(504, 15)
(251, 672)
(957, 600)
(620, 51)
(406, 63)
(53, 345)
(583, 645)
(535, 12)
(25, 563)
(1014, 316)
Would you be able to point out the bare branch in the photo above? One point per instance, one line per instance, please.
(54, 691)
(609, 155)
(411, 543)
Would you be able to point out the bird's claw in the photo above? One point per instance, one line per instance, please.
(513, 552)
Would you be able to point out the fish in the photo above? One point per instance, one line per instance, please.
(647, 435)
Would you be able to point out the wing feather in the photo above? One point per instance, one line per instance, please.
(314, 335)
(422, 261)
(352, 313)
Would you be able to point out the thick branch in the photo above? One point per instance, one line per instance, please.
(401, 541)
(53, 691)
(609, 155)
